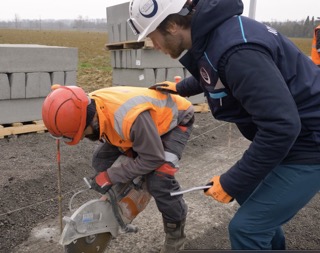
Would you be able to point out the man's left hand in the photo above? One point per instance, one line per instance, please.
(217, 192)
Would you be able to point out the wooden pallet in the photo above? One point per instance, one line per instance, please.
(147, 43)
(204, 107)
(22, 128)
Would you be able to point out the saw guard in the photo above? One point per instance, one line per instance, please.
(93, 217)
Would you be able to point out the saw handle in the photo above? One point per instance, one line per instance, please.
(88, 182)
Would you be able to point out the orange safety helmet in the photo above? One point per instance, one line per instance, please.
(64, 112)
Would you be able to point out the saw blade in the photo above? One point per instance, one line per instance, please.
(89, 244)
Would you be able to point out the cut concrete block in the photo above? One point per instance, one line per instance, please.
(116, 32)
(172, 72)
(118, 14)
(113, 58)
(124, 59)
(147, 58)
(110, 33)
(4, 87)
(45, 84)
(160, 75)
(133, 77)
(18, 85)
(70, 78)
(20, 110)
(123, 30)
(150, 58)
(133, 58)
(118, 54)
(129, 61)
(130, 35)
(57, 77)
(33, 85)
(36, 58)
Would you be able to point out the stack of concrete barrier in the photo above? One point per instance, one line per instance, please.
(26, 75)
(138, 63)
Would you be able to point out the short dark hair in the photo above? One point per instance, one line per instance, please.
(183, 21)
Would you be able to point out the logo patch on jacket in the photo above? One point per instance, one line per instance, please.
(205, 76)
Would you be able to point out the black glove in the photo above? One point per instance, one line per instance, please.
(101, 183)
(166, 86)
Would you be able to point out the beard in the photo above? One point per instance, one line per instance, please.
(95, 136)
(173, 46)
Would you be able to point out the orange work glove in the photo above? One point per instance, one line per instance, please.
(166, 86)
(217, 192)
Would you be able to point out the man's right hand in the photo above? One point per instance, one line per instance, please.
(166, 86)
(101, 182)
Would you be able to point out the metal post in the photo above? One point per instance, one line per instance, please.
(252, 9)
(59, 185)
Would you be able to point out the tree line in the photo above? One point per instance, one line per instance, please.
(295, 29)
(80, 23)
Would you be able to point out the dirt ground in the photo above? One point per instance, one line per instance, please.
(29, 215)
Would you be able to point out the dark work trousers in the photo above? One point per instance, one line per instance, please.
(172, 208)
(257, 223)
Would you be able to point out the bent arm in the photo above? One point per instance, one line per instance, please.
(189, 87)
(147, 144)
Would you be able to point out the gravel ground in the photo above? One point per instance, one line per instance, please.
(29, 215)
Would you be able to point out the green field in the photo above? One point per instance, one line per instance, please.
(94, 67)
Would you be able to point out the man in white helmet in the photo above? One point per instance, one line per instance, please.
(256, 78)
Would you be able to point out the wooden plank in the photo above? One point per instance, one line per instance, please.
(22, 128)
(147, 43)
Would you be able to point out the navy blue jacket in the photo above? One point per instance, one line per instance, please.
(256, 78)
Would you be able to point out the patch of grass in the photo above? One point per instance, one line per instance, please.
(304, 44)
(85, 65)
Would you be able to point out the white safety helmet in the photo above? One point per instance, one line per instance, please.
(146, 15)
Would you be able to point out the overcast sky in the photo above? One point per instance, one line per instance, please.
(267, 10)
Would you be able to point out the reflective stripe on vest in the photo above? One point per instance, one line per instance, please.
(122, 112)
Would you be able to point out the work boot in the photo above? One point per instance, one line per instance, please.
(175, 236)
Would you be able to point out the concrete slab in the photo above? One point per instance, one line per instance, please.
(20, 110)
(4, 87)
(17, 83)
(36, 58)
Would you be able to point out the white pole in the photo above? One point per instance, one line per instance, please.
(252, 9)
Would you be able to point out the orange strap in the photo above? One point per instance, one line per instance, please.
(103, 179)
(183, 128)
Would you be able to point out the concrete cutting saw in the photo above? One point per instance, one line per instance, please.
(91, 227)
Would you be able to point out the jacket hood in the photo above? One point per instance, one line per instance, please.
(210, 14)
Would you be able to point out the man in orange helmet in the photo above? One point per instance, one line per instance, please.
(151, 125)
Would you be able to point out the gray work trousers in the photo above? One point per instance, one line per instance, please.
(172, 208)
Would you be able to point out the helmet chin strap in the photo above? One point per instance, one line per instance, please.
(95, 135)
(188, 7)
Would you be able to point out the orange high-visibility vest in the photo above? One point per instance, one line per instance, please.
(315, 55)
(118, 107)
